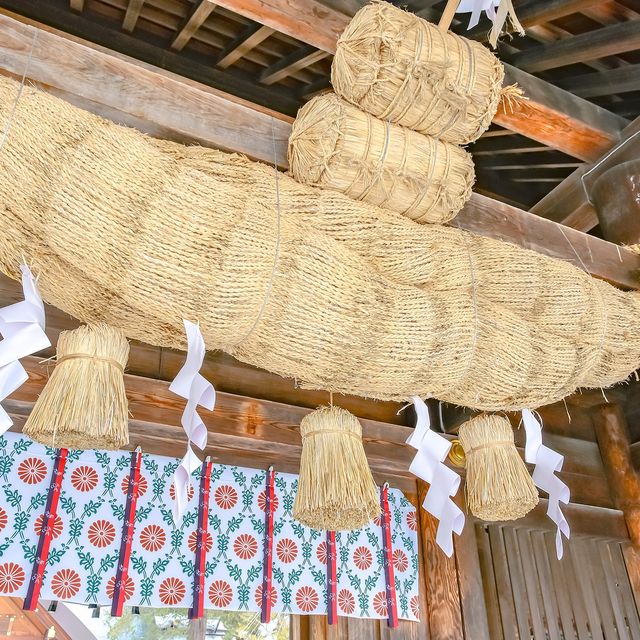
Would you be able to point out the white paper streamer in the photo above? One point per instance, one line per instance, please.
(428, 465)
(192, 386)
(498, 18)
(547, 463)
(22, 329)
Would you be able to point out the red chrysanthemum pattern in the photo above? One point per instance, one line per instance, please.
(400, 560)
(190, 491)
(32, 471)
(65, 584)
(152, 538)
(346, 601)
(414, 603)
(11, 577)
(262, 501)
(377, 521)
(307, 599)
(101, 533)
(143, 485)
(3, 519)
(380, 604)
(286, 550)
(362, 558)
(84, 478)
(273, 596)
(220, 594)
(172, 591)
(321, 552)
(193, 541)
(226, 496)
(128, 588)
(412, 521)
(245, 546)
(56, 525)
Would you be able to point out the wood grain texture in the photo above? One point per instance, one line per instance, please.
(559, 119)
(443, 596)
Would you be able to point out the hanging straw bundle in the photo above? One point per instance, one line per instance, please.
(401, 68)
(336, 491)
(498, 484)
(336, 146)
(84, 404)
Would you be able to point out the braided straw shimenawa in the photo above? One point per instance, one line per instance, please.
(140, 233)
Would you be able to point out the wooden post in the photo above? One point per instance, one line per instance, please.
(443, 595)
(623, 479)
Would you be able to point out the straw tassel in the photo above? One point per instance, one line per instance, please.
(498, 484)
(84, 404)
(512, 99)
(336, 491)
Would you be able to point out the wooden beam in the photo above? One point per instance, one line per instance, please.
(76, 5)
(309, 21)
(299, 59)
(605, 83)
(164, 104)
(134, 93)
(201, 10)
(623, 478)
(251, 37)
(139, 50)
(131, 16)
(559, 119)
(568, 203)
(607, 41)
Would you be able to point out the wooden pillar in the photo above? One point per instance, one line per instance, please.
(624, 480)
(443, 595)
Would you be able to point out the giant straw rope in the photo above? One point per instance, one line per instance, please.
(141, 233)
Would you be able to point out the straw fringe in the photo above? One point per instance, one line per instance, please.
(512, 99)
(336, 491)
(140, 233)
(399, 67)
(498, 484)
(336, 146)
(84, 403)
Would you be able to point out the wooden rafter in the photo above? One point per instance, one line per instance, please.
(200, 12)
(164, 104)
(608, 41)
(604, 83)
(251, 37)
(132, 14)
(560, 119)
(568, 204)
(299, 59)
(76, 5)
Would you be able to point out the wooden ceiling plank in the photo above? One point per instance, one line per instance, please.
(131, 16)
(568, 204)
(299, 59)
(606, 83)
(162, 103)
(76, 5)
(559, 119)
(200, 12)
(607, 41)
(250, 38)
